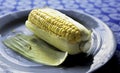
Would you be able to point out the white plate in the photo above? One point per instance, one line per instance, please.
(104, 45)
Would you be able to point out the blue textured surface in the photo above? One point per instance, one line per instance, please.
(106, 10)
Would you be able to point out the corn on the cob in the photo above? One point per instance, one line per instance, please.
(58, 30)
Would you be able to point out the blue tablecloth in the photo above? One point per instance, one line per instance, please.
(106, 10)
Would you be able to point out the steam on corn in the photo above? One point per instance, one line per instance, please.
(59, 30)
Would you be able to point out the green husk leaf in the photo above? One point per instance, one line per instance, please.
(35, 49)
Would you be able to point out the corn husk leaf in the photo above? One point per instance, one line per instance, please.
(35, 49)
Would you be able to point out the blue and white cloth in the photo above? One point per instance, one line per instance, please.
(106, 10)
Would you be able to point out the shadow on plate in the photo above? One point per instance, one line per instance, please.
(78, 60)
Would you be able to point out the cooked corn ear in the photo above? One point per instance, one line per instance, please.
(58, 30)
(54, 24)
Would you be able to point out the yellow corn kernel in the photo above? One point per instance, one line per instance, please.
(54, 23)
